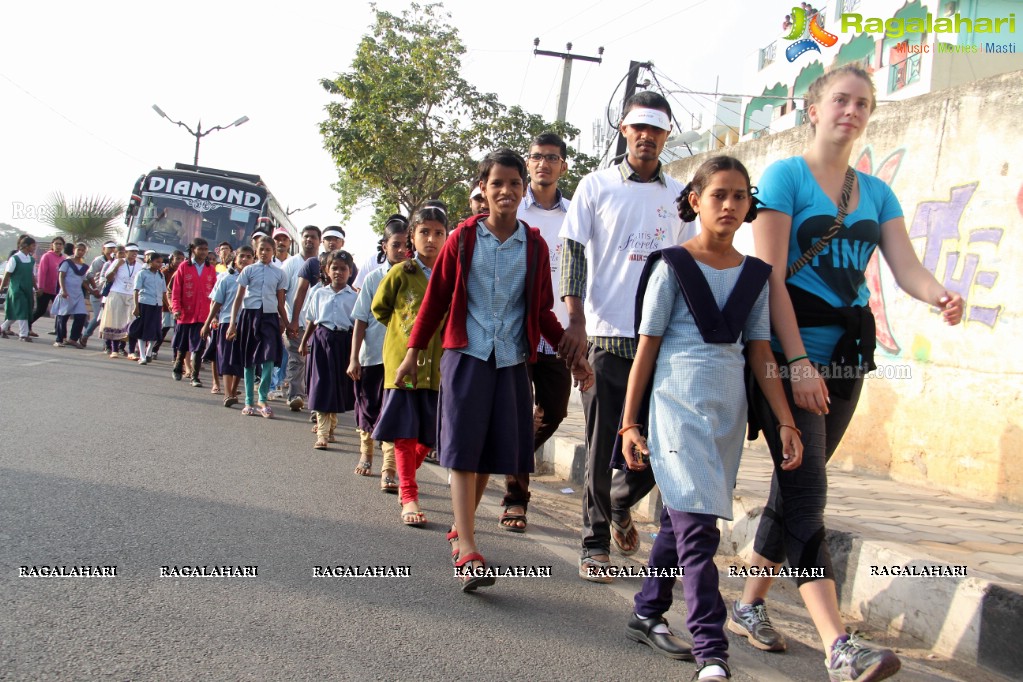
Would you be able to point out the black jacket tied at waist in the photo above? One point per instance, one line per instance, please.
(855, 348)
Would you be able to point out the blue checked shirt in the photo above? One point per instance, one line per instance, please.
(496, 319)
(151, 286)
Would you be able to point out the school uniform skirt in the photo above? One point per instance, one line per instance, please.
(229, 355)
(369, 397)
(148, 325)
(486, 416)
(209, 353)
(327, 370)
(113, 323)
(408, 414)
(187, 337)
(259, 337)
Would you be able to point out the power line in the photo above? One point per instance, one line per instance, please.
(660, 20)
(75, 124)
(631, 11)
(525, 76)
(577, 14)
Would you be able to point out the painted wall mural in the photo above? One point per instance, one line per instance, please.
(953, 253)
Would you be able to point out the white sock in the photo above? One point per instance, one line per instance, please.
(661, 629)
(712, 670)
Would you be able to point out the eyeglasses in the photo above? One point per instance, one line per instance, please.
(549, 158)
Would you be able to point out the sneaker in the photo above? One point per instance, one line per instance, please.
(58, 344)
(296, 404)
(178, 371)
(123, 353)
(752, 622)
(853, 661)
(196, 383)
(275, 394)
(132, 357)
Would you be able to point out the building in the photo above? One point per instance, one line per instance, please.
(910, 48)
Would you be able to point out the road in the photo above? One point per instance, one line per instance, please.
(105, 463)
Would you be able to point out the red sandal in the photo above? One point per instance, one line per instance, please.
(471, 580)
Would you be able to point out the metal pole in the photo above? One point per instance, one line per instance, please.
(198, 135)
(630, 89)
(566, 78)
(566, 73)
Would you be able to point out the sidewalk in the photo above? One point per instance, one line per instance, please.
(875, 524)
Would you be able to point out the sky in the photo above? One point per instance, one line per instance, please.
(78, 81)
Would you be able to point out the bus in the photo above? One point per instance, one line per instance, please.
(169, 208)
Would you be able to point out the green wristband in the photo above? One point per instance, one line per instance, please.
(798, 358)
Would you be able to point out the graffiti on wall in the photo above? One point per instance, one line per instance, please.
(952, 253)
(937, 223)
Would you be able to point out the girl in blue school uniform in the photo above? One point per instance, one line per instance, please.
(698, 305)
(176, 258)
(228, 351)
(409, 415)
(326, 344)
(492, 281)
(150, 300)
(367, 363)
(256, 319)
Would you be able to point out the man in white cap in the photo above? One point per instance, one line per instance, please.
(477, 204)
(93, 274)
(618, 216)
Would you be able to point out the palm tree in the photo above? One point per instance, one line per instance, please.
(92, 220)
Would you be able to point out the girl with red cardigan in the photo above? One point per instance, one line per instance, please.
(492, 279)
(190, 304)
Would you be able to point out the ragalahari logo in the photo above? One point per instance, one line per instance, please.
(799, 29)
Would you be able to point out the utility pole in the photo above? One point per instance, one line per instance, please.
(630, 90)
(566, 74)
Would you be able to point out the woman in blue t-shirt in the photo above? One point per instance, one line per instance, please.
(821, 325)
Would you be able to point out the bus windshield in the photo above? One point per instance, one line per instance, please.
(168, 223)
(171, 207)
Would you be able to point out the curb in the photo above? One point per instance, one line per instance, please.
(974, 619)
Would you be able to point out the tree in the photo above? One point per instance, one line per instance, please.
(92, 220)
(408, 127)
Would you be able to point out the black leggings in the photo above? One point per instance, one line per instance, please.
(795, 530)
(42, 300)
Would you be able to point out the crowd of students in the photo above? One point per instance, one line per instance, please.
(441, 346)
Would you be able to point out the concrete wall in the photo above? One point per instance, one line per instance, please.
(949, 413)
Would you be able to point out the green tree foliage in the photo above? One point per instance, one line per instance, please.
(92, 220)
(407, 127)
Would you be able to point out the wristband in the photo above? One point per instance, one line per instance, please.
(621, 431)
(797, 359)
(789, 426)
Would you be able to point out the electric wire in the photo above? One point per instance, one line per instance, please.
(74, 123)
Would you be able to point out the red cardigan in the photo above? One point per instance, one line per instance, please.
(448, 288)
(190, 292)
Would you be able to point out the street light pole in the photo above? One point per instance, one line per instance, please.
(199, 133)
(290, 211)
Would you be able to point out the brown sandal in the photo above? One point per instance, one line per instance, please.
(321, 444)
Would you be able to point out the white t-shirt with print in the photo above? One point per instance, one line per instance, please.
(620, 222)
(549, 223)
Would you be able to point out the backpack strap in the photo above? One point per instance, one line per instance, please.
(822, 243)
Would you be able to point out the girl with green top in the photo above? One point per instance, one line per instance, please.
(409, 416)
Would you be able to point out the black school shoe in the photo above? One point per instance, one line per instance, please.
(641, 630)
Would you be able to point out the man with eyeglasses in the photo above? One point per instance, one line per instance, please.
(543, 207)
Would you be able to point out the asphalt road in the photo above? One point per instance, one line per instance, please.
(105, 463)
